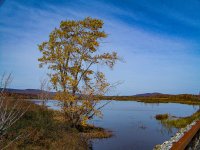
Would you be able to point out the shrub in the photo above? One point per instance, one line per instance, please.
(161, 116)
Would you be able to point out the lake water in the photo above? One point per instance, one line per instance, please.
(133, 124)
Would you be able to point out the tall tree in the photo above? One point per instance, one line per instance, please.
(71, 53)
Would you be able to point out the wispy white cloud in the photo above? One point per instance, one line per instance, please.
(154, 61)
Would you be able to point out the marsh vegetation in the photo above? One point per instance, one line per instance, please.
(161, 116)
(160, 98)
(178, 122)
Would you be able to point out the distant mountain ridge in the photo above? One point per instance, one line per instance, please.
(25, 91)
(149, 94)
(38, 91)
(144, 97)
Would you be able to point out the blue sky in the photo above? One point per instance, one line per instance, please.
(159, 41)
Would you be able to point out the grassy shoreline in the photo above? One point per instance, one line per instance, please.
(179, 122)
(42, 128)
(162, 98)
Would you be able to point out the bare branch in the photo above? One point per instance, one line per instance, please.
(10, 110)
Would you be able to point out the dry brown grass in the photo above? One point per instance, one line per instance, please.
(45, 129)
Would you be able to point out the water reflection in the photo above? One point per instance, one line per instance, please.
(134, 125)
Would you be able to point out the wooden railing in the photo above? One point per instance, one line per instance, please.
(184, 141)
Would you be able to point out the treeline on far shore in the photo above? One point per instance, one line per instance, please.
(23, 95)
(160, 98)
(154, 98)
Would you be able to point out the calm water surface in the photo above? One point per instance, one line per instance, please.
(133, 124)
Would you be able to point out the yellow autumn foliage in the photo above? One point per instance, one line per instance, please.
(71, 54)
